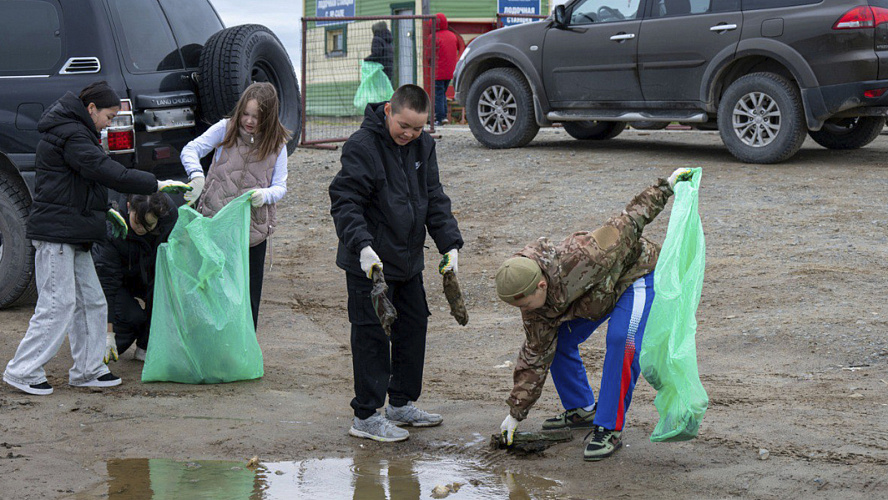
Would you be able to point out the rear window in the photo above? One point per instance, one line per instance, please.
(148, 43)
(193, 22)
(30, 37)
(775, 4)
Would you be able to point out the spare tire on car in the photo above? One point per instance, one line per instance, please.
(234, 58)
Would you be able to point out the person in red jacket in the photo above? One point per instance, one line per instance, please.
(446, 53)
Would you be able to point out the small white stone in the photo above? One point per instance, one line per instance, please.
(764, 454)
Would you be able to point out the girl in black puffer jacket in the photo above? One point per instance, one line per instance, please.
(126, 268)
(67, 216)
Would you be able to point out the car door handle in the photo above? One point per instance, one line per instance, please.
(623, 36)
(723, 27)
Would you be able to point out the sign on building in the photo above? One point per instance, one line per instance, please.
(516, 7)
(335, 8)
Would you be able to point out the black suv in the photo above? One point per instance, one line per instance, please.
(174, 63)
(765, 73)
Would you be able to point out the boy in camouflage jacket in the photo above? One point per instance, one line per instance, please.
(565, 291)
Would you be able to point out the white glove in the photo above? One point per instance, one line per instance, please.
(110, 349)
(197, 185)
(257, 199)
(675, 176)
(508, 428)
(449, 262)
(369, 260)
(172, 187)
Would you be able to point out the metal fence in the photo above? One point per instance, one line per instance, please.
(334, 50)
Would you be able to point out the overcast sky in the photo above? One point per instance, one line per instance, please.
(284, 17)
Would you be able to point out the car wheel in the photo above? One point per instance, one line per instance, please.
(236, 57)
(17, 285)
(761, 119)
(594, 130)
(849, 133)
(648, 125)
(500, 109)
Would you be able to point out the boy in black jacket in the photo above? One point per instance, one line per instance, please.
(382, 200)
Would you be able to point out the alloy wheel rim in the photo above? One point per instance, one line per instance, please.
(756, 119)
(497, 109)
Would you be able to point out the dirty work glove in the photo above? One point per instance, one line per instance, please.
(257, 198)
(449, 262)
(118, 225)
(197, 185)
(110, 349)
(680, 174)
(508, 428)
(172, 187)
(369, 260)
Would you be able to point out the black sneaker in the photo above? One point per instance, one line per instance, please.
(41, 389)
(106, 380)
(576, 418)
(603, 444)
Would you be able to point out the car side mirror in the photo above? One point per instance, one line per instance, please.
(560, 17)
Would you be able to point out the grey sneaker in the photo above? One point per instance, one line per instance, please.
(411, 415)
(377, 428)
(139, 355)
(577, 418)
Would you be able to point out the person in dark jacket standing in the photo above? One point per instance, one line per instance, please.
(67, 216)
(385, 197)
(446, 55)
(126, 269)
(382, 50)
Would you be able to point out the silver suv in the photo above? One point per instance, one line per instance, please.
(765, 73)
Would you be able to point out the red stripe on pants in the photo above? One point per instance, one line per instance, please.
(625, 379)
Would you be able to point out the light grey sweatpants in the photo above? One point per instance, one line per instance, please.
(71, 302)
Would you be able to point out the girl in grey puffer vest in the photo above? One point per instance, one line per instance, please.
(250, 155)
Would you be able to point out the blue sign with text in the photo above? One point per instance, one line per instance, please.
(517, 7)
(335, 8)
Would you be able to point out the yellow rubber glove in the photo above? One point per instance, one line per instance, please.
(508, 428)
(110, 349)
(680, 174)
(172, 187)
(118, 225)
(197, 185)
(449, 262)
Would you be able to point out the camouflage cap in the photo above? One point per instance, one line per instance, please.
(517, 278)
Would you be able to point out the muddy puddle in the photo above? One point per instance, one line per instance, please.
(357, 478)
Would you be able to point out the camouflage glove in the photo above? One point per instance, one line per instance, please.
(110, 349)
(449, 262)
(172, 187)
(197, 185)
(508, 429)
(680, 174)
(369, 260)
(118, 225)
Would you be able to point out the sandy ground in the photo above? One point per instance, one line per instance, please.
(791, 339)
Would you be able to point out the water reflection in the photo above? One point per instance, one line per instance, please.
(355, 478)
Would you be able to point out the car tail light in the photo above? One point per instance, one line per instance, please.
(120, 136)
(121, 141)
(862, 17)
(873, 93)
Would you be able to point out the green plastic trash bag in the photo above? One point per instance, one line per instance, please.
(375, 85)
(202, 323)
(668, 350)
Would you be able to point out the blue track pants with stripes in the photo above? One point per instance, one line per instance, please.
(620, 372)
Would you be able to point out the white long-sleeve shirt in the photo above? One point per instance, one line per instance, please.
(211, 140)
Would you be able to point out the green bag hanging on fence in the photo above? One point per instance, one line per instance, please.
(668, 350)
(375, 86)
(202, 323)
